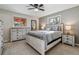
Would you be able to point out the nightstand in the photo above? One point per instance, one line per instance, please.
(68, 39)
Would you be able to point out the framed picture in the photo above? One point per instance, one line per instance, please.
(55, 20)
(33, 24)
(18, 21)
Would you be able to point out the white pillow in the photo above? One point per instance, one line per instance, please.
(54, 28)
(48, 29)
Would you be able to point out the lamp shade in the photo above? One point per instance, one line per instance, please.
(67, 27)
(43, 26)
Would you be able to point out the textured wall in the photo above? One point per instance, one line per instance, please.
(8, 19)
(69, 16)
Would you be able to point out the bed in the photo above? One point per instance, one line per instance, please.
(43, 40)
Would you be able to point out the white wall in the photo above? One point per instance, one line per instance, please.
(8, 19)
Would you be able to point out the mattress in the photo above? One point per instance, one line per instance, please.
(47, 36)
(38, 34)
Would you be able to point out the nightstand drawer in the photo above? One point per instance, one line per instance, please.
(64, 39)
(68, 39)
(70, 42)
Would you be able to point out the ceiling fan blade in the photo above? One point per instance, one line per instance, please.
(36, 5)
(42, 9)
(40, 5)
(30, 8)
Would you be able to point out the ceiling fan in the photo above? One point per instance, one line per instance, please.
(36, 7)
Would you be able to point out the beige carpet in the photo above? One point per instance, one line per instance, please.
(21, 48)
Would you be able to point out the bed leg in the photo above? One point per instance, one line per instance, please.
(43, 53)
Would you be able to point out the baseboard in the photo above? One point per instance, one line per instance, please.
(14, 41)
(77, 44)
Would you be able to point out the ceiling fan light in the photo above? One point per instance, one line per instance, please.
(36, 9)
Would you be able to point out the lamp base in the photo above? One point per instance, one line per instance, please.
(68, 33)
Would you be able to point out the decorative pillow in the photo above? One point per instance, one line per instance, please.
(48, 29)
(55, 28)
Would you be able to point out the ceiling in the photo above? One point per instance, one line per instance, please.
(49, 8)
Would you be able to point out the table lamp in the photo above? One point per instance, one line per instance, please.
(68, 28)
(43, 26)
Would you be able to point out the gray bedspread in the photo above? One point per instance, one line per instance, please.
(47, 36)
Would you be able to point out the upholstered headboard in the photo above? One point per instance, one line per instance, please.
(54, 27)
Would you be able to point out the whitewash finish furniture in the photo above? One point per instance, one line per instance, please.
(68, 39)
(1, 37)
(39, 45)
(18, 33)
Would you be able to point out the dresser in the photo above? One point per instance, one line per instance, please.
(1, 37)
(68, 39)
(18, 33)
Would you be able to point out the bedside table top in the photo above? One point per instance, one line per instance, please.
(69, 35)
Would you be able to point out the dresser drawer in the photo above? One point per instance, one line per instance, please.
(14, 30)
(13, 33)
(19, 34)
(20, 37)
(19, 30)
(13, 38)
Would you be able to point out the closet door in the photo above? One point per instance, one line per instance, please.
(1, 37)
(0, 50)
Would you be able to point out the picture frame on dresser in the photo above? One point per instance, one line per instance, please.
(1, 38)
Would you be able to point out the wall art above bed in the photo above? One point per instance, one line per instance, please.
(55, 19)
